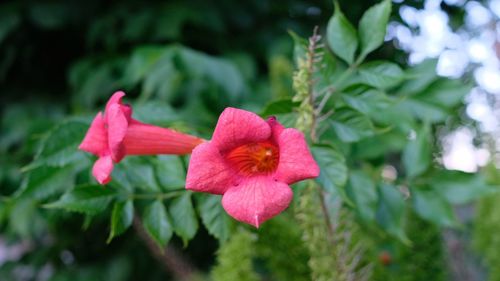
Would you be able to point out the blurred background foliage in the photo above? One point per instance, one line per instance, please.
(397, 211)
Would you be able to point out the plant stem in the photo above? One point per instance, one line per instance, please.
(171, 259)
(160, 196)
(313, 40)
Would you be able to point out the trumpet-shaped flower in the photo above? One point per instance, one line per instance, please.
(115, 133)
(251, 162)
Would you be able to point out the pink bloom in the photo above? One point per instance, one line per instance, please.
(115, 134)
(251, 162)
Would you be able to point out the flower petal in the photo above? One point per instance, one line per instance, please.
(257, 199)
(208, 171)
(276, 128)
(116, 98)
(296, 162)
(145, 139)
(96, 139)
(102, 169)
(117, 129)
(236, 127)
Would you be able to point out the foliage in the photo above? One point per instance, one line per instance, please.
(424, 259)
(363, 115)
(485, 238)
(278, 245)
(486, 227)
(235, 259)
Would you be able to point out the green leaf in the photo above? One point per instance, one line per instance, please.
(366, 99)
(220, 71)
(120, 178)
(419, 77)
(342, 36)
(372, 27)
(87, 199)
(60, 146)
(44, 181)
(417, 154)
(351, 126)
(183, 217)
(163, 81)
(361, 190)
(170, 172)
(459, 187)
(423, 110)
(155, 112)
(333, 169)
(381, 74)
(213, 216)
(23, 216)
(429, 205)
(380, 145)
(140, 173)
(157, 223)
(299, 47)
(282, 106)
(141, 62)
(446, 93)
(121, 218)
(390, 211)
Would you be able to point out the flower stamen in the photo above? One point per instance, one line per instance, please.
(254, 158)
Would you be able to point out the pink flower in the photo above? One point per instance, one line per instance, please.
(115, 134)
(251, 162)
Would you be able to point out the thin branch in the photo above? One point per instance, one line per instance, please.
(325, 116)
(172, 260)
(328, 222)
(324, 100)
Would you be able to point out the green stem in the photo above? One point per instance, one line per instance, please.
(159, 196)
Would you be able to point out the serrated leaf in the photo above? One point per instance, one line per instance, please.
(390, 211)
(121, 218)
(381, 74)
(157, 223)
(213, 216)
(333, 175)
(183, 217)
(88, 199)
(45, 181)
(361, 190)
(372, 27)
(417, 153)
(429, 205)
(351, 126)
(170, 172)
(140, 173)
(60, 146)
(342, 36)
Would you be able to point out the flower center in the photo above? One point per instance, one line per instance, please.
(254, 158)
